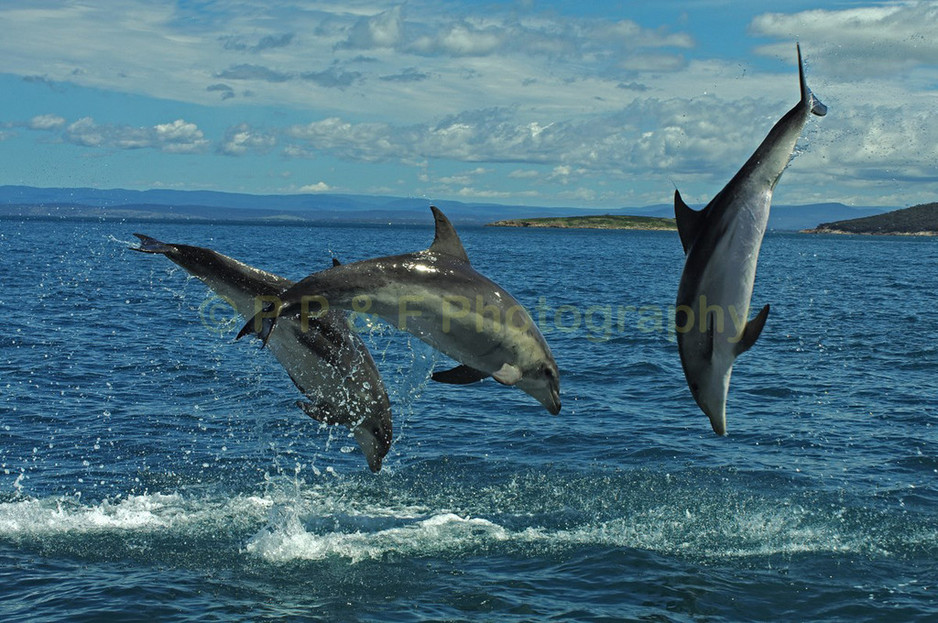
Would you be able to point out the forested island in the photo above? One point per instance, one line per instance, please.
(920, 220)
(607, 221)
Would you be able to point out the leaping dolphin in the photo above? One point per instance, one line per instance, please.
(436, 295)
(327, 361)
(722, 244)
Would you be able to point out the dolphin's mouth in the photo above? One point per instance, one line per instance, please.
(374, 463)
(552, 404)
(717, 421)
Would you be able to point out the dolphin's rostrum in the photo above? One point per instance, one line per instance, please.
(722, 244)
(436, 295)
(326, 359)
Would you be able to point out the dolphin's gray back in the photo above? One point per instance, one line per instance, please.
(420, 284)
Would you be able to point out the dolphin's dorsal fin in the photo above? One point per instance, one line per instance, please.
(336, 262)
(689, 221)
(446, 240)
(752, 331)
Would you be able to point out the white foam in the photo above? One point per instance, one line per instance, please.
(319, 522)
(445, 532)
(36, 517)
(41, 517)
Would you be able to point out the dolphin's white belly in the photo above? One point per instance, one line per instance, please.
(728, 279)
(452, 323)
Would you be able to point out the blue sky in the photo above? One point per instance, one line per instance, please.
(543, 103)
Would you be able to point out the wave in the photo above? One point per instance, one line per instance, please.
(356, 521)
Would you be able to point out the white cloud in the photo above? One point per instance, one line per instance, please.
(489, 194)
(564, 174)
(864, 41)
(243, 139)
(87, 133)
(383, 30)
(463, 179)
(653, 62)
(460, 40)
(178, 137)
(46, 122)
(223, 53)
(633, 35)
(877, 144)
(876, 69)
(672, 135)
(542, 98)
(318, 187)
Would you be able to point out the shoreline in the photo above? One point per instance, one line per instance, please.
(607, 222)
(920, 220)
(843, 232)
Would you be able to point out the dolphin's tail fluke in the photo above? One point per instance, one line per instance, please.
(807, 97)
(151, 245)
(262, 323)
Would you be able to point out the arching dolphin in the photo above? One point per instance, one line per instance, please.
(327, 361)
(722, 244)
(437, 296)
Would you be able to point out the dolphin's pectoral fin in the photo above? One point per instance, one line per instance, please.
(320, 413)
(689, 221)
(507, 374)
(261, 324)
(460, 375)
(151, 245)
(752, 331)
(247, 329)
(446, 240)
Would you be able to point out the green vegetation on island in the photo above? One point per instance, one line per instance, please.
(920, 220)
(606, 221)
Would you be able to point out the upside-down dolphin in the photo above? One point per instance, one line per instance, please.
(327, 361)
(722, 244)
(436, 295)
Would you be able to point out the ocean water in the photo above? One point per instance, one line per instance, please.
(153, 468)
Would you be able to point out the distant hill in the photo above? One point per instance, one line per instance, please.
(606, 221)
(213, 206)
(117, 204)
(920, 220)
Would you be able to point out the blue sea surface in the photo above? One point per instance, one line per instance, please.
(152, 468)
